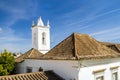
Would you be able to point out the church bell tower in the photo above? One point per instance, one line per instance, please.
(41, 36)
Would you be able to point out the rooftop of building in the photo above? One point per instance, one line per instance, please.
(76, 47)
(47, 75)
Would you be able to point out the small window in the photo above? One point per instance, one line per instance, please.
(114, 72)
(100, 78)
(99, 74)
(29, 69)
(115, 76)
(43, 38)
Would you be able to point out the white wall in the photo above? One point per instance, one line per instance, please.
(38, 30)
(88, 66)
(69, 69)
(65, 68)
(43, 48)
(34, 31)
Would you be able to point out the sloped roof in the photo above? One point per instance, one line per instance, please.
(26, 76)
(31, 54)
(113, 46)
(80, 46)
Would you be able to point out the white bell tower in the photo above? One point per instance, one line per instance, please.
(41, 36)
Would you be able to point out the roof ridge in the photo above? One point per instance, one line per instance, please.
(116, 45)
(74, 43)
(60, 42)
(76, 33)
(31, 52)
(22, 74)
(79, 46)
(28, 52)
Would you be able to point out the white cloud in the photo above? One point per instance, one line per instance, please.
(0, 29)
(11, 38)
(15, 47)
(107, 35)
(109, 12)
(85, 20)
(108, 31)
(94, 18)
(12, 42)
(8, 39)
(21, 10)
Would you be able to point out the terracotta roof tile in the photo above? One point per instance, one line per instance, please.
(47, 75)
(113, 46)
(31, 54)
(26, 76)
(76, 46)
(80, 46)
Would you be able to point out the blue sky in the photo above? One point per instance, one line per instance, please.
(98, 18)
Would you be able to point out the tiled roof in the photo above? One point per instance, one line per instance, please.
(47, 75)
(31, 54)
(76, 46)
(113, 46)
(27, 76)
(80, 46)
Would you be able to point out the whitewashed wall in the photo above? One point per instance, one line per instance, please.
(37, 44)
(88, 66)
(65, 68)
(68, 69)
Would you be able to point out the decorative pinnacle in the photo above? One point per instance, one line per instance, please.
(48, 23)
(33, 24)
(40, 22)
